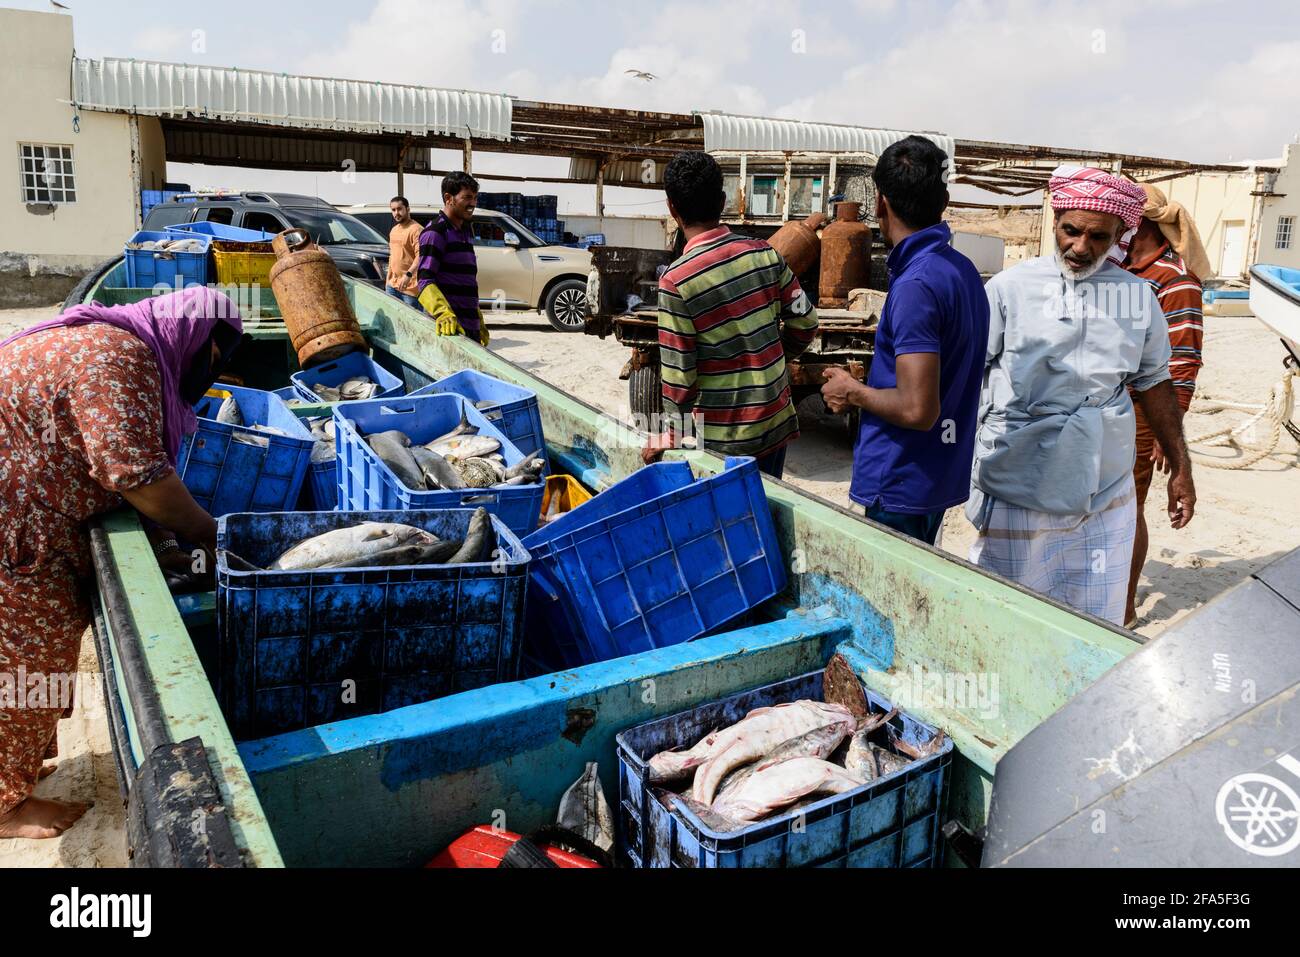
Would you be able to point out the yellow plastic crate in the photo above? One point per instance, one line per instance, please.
(567, 491)
(243, 263)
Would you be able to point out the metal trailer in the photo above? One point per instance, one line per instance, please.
(621, 296)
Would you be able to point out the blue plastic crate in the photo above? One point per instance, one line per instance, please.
(340, 370)
(659, 572)
(226, 476)
(365, 482)
(320, 492)
(149, 198)
(550, 644)
(288, 640)
(222, 231)
(514, 410)
(146, 268)
(890, 822)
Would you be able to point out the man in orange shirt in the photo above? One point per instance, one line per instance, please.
(1167, 252)
(403, 253)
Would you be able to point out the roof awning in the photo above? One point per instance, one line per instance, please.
(183, 91)
(735, 133)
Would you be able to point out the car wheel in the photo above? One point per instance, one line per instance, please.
(566, 305)
(645, 392)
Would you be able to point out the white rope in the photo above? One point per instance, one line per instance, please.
(1276, 412)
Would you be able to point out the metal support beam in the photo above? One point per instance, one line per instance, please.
(829, 189)
(785, 202)
(600, 197)
(137, 172)
(742, 195)
(467, 163)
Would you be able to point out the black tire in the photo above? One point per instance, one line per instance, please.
(82, 289)
(566, 305)
(853, 420)
(645, 391)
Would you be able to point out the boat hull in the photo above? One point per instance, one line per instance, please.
(1275, 301)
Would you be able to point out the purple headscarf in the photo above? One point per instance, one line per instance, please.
(174, 327)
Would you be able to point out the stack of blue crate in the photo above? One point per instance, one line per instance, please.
(537, 213)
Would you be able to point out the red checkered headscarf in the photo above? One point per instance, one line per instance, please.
(1084, 187)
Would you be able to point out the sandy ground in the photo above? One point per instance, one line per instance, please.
(1244, 520)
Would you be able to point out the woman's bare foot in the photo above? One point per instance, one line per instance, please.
(46, 771)
(38, 818)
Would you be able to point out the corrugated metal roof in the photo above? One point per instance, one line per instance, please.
(726, 131)
(252, 96)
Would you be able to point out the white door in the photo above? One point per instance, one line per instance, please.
(1232, 263)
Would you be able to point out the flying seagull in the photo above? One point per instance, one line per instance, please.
(641, 75)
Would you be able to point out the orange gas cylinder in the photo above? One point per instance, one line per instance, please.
(846, 256)
(798, 243)
(313, 300)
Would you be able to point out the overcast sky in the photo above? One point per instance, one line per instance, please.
(1194, 79)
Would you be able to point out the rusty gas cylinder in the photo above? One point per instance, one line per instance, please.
(313, 300)
(846, 256)
(798, 243)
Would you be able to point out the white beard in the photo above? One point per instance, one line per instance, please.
(1078, 275)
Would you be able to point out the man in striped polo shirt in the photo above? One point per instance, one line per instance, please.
(1151, 255)
(448, 272)
(731, 314)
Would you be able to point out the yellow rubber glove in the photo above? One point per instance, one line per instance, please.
(483, 335)
(436, 305)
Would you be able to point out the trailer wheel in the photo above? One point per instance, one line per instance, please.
(853, 420)
(645, 391)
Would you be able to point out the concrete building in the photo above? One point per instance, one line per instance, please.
(74, 177)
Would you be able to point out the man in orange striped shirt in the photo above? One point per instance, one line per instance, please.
(1153, 258)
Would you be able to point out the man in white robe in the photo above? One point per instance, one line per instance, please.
(1052, 481)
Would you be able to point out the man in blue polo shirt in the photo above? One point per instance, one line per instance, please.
(912, 460)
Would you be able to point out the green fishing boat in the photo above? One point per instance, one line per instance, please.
(980, 658)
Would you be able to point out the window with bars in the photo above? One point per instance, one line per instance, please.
(46, 173)
(1285, 229)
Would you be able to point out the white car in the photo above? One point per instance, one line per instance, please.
(516, 270)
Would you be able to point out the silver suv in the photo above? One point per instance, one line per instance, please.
(356, 249)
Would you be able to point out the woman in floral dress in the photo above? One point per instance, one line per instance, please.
(94, 405)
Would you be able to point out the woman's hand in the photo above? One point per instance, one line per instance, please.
(168, 503)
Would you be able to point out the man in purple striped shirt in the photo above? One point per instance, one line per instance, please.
(448, 273)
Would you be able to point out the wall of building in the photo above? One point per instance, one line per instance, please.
(1214, 200)
(640, 232)
(1285, 202)
(44, 249)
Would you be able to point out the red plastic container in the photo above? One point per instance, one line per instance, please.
(484, 846)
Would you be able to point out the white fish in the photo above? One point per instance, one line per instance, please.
(818, 743)
(531, 465)
(346, 544)
(392, 447)
(465, 447)
(229, 413)
(778, 785)
(358, 387)
(462, 428)
(764, 730)
(326, 393)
